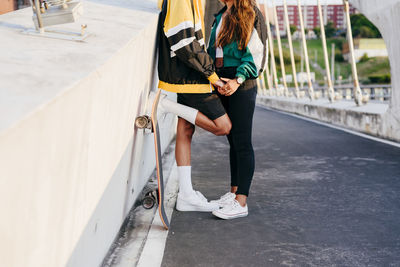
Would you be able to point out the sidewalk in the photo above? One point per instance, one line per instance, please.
(320, 197)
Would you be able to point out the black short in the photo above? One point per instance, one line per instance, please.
(209, 104)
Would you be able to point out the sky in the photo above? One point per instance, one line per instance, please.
(294, 2)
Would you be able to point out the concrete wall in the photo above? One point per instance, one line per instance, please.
(385, 16)
(365, 119)
(71, 161)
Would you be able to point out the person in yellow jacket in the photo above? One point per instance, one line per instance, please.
(184, 67)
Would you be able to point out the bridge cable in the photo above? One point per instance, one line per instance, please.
(271, 48)
(331, 90)
(293, 62)
(358, 96)
(278, 37)
(305, 51)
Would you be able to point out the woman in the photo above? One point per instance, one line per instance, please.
(238, 47)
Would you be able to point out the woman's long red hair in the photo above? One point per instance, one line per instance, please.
(238, 24)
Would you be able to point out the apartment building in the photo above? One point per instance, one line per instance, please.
(334, 13)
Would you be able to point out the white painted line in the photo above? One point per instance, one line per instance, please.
(153, 250)
(395, 144)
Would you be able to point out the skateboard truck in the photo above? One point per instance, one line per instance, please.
(143, 122)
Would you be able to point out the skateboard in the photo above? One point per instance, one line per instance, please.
(146, 122)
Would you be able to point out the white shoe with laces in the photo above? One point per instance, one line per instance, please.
(195, 202)
(225, 199)
(232, 211)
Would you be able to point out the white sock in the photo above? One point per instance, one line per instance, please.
(185, 180)
(180, 110)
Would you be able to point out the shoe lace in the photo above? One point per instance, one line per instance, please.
(226, 196)
(231, 206)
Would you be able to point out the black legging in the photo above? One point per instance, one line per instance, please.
(240, 108)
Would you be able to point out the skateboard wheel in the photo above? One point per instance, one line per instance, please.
(143, 122)
(148, 202)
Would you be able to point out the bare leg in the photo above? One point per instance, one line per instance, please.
(242, 199)
(188, 199)
(185, 131)
(219, 126)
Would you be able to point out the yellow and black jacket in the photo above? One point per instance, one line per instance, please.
(183, 64)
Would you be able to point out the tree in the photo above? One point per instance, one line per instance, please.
(330, 29)
(367, 32)
(364, 58)
(363, 28)
(317, 31)
(293, 29)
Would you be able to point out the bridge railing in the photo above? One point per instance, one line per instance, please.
(376, 92)
(361, 94)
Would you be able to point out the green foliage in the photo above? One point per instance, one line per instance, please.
(338, 42)
(293, 29)
(317, 31)
(364, 58)
(339, 57)
(286, 57)
(330, 29)
(363, 28)
(379, 79)
(367, 32)
(374, 66)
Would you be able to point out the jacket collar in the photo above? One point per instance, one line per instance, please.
(221, 11)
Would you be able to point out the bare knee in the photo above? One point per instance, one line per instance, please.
(185, 129)
(224, 129)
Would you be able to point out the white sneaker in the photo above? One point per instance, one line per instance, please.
(232, 211)
(225, 199)
(195, 202)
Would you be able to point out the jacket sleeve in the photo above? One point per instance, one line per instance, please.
(247, 68)
(255, 56)
(183, 29)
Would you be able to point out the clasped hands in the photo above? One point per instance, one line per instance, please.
(227, 87)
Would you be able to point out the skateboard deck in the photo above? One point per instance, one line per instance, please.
(144, 122)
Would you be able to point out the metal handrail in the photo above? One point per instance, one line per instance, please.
(378, 92)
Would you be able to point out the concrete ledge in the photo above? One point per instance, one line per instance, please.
(367, 119)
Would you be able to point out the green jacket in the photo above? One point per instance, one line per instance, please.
(249, 62)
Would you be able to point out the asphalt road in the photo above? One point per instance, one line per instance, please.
(320, 197)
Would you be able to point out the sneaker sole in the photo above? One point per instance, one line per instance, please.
(227, 217)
